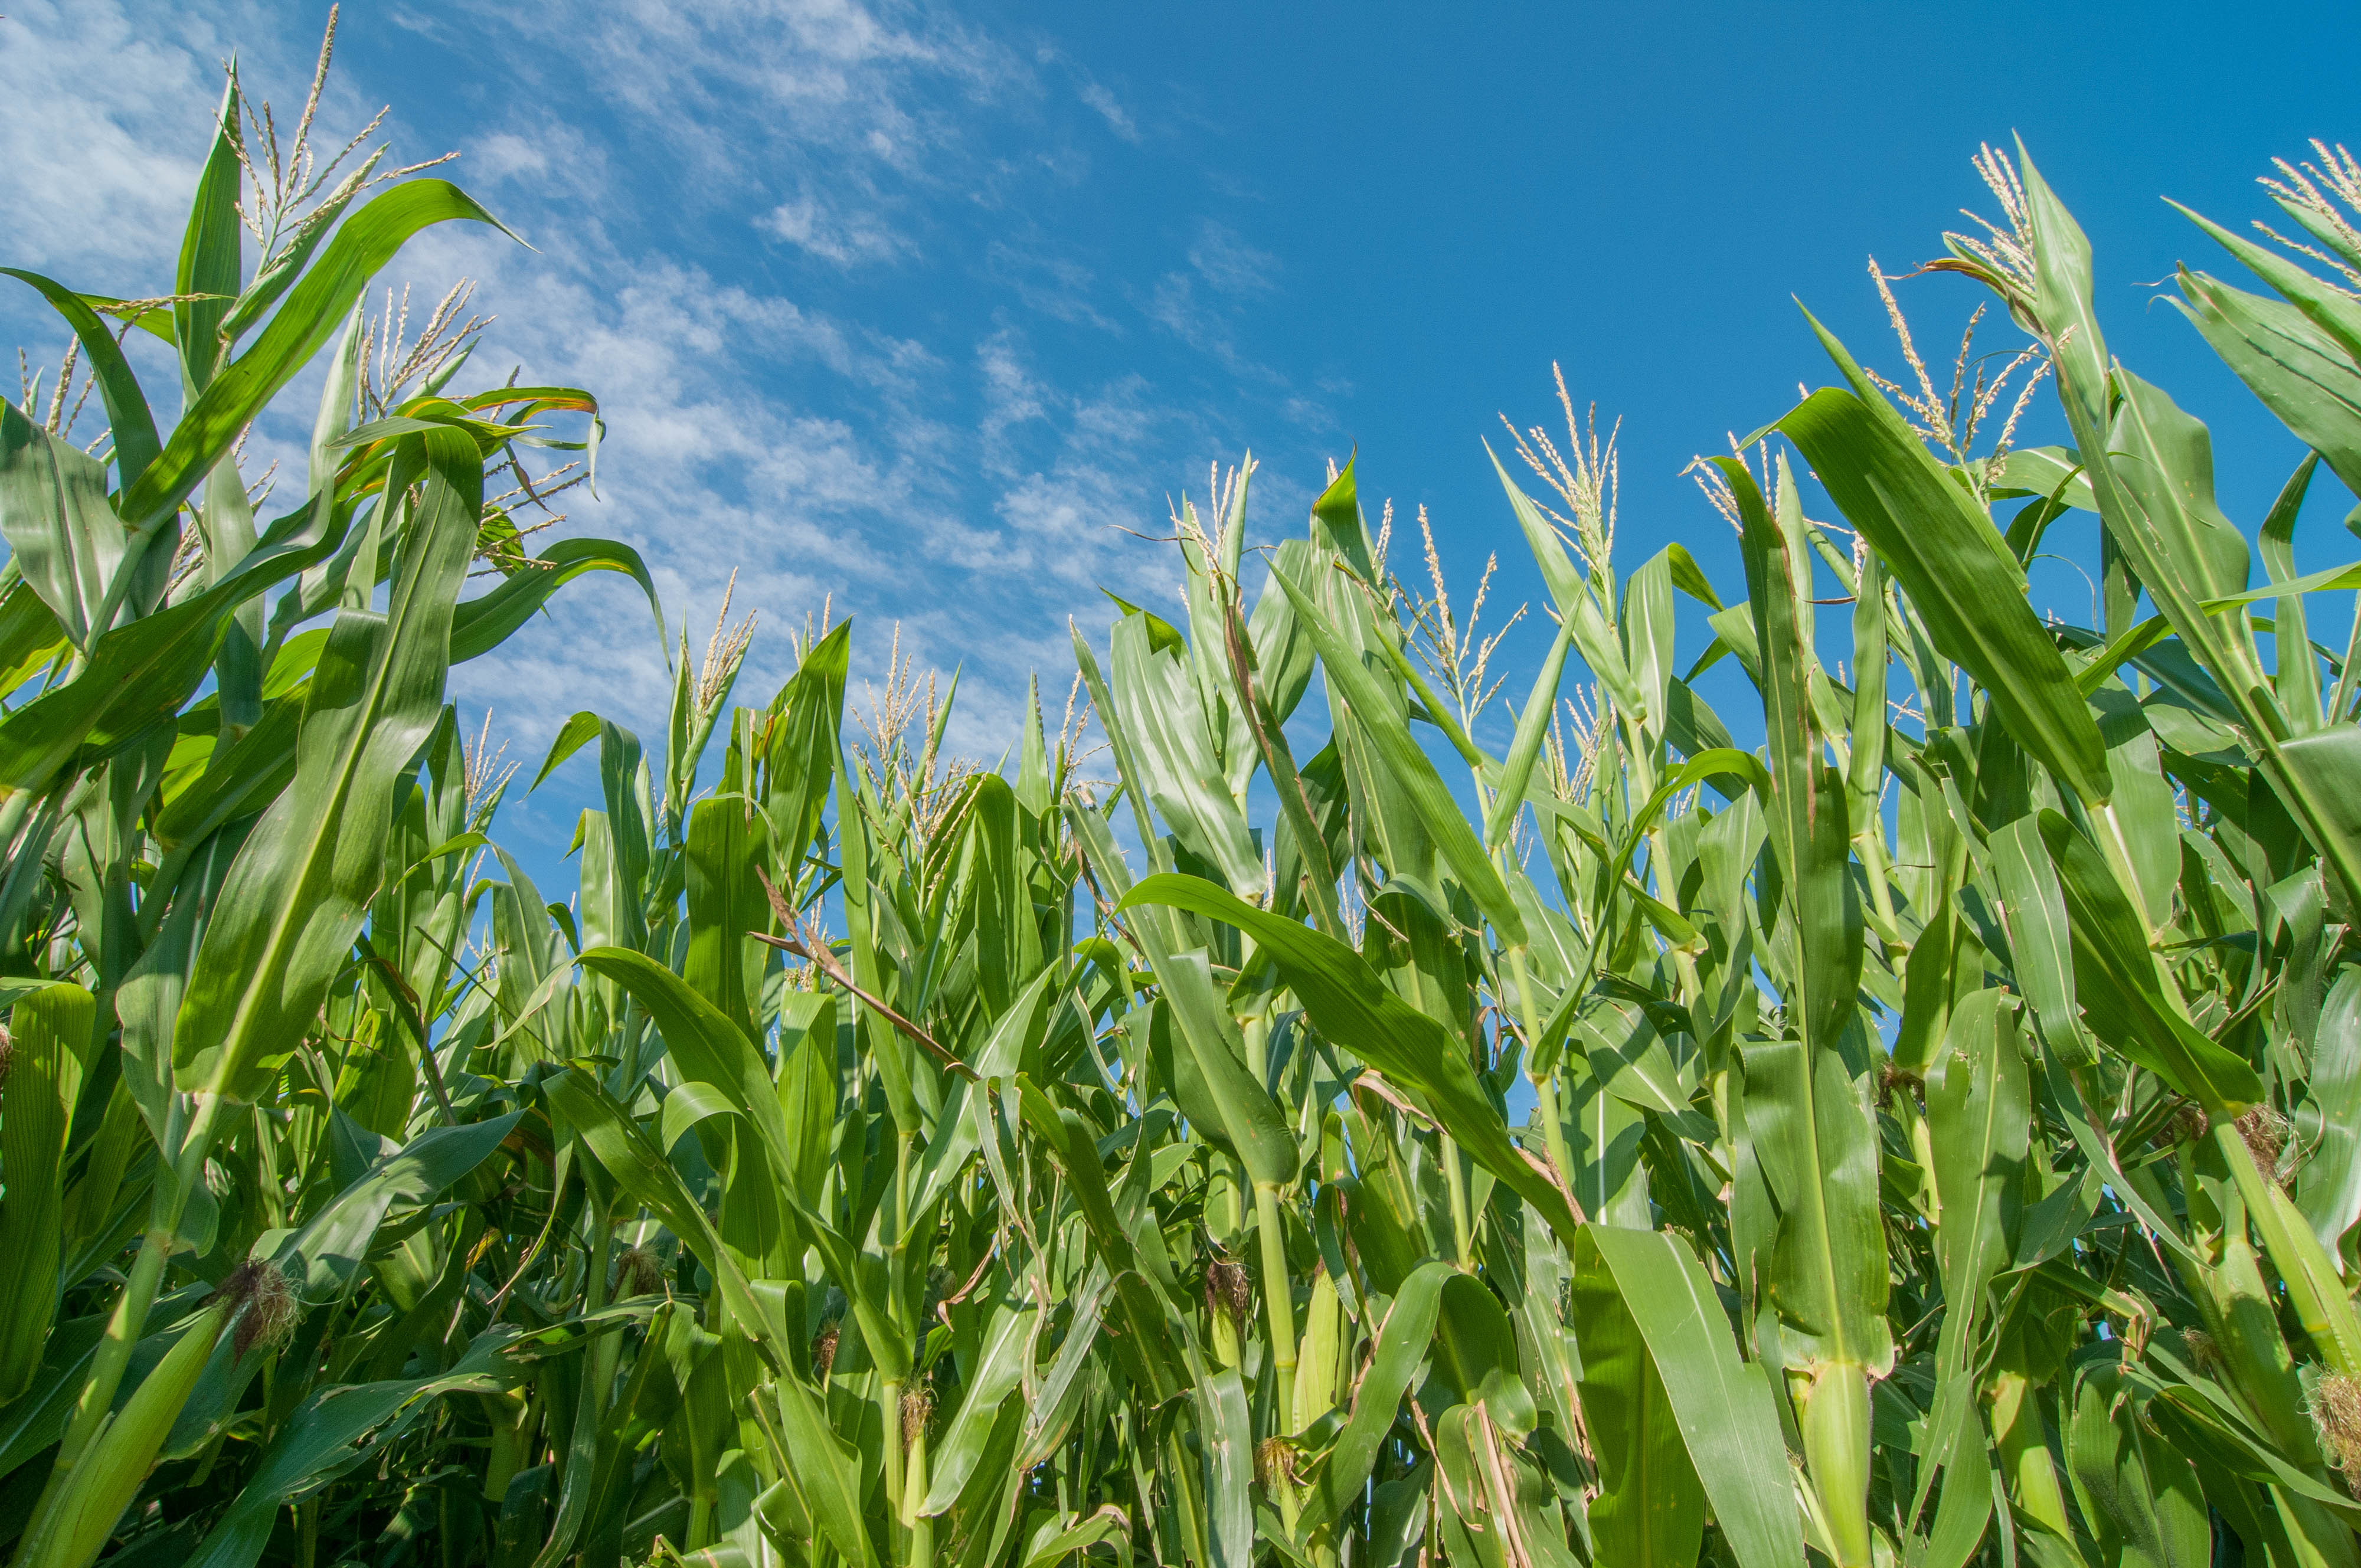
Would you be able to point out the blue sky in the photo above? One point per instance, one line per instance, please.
(922, 307)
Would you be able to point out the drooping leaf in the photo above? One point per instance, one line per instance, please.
(1352, 1006)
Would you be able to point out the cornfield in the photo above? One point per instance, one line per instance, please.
(1930, 1137)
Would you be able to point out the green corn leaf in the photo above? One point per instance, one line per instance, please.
(2116, 984)
(330, 1435)
(1391, 741)
(1957, 569)
(1722, 765)
(1150, 1341)
(52, 1040)
(1563, 579)
(807, 1087)
(725, 902)
(2034, 911)
(1300, 861)
(1723, 1406)
(1066, 1135)
(826, 1468)
(1645, 623)
(2303, 374)
(1979, 1110)
(1866, 776)
(1532, 727)
(1051, 1545)
(2061, 302)
(1006, 1358)
(709, 1048)
(2200, 1408)
(1402, 1342)
(2155, 490)
(891, 1053)
(2327, 307)
(1650, 1510)
(642, 1171)
(705, 1045)
(314, 311)
(1282, 652)
(35, 1421)
(1604, 655)
(1126, 757)
(2143, 1499)
(227, 522)
(1806, 801)
(31, 640)
(485, 623)
(801, 762)
(1337, 524)
(300, 890)
(324, 1255)
(1044, 1426)
(965, 1123)
(1354, 1008)
(2176, 536)
(213, 251)
(2322, 770)
(1779, 664)
(2046, 471)
(1804, 1116)
(687, 1105)
(1225, 1447)
(2297, 678)
(1964, 1511)
(1629, 1058)
(579, 731)
(1246, 1116)
(241, 776)
(2328, 1184)
(62, 529)
(1162, 713)
(127, 415)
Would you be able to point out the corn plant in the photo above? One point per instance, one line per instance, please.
(1334, 1138)
(211, 804)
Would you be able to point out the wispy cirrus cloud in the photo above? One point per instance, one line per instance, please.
(1223, 259)
(820, 226)
(822, 264)
(1110, 109)
(103, 123)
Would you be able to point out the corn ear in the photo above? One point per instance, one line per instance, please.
(51, 1032)
(111, 1470)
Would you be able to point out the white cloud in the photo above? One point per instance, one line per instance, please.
(1111, 109)
(864, 492)
(966, 471)
(1012, 396)
(833, 234)
(723, 84)
(1229, 263)
(104, 119)
(1046, 282)
(1173, 305)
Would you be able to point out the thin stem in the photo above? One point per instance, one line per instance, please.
(889, 1405)
(921, 1549)
(1278, 1301)
(1544, 1085)
(1554, 1127)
